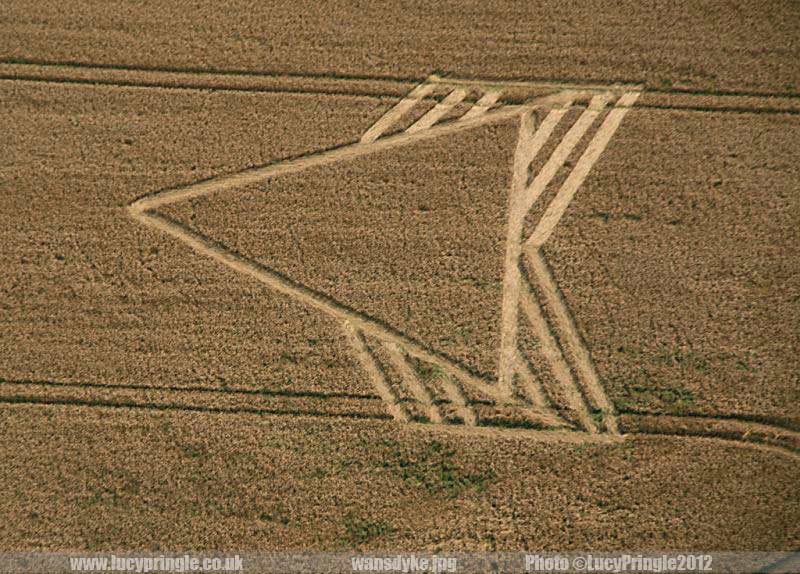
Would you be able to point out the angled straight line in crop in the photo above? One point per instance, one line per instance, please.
(370, 365)
(554, 356)
(558, 206)
(438, 111)
(529, 143)
(410, 379)
(483, 105)
(395, 114)
(580, 354)
(531, 386)
(351, 151)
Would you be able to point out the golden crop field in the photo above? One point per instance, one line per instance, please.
(427, 277)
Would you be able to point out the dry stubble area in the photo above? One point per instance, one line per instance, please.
(77, 477)
(668, 45)
(679, 259)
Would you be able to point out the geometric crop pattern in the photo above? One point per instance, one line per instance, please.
(417, 384)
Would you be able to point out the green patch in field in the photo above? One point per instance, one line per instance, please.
(684, 361)
(277, 515)
(604, 215)
(194, 451)
(430, 372)
(318, 473)
(597, 417)
(434, 468)
(109, 495)
(640, 396)
(688, 360)
(362, 530)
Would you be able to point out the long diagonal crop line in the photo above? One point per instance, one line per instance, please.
(315, 159)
